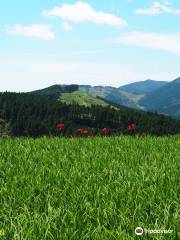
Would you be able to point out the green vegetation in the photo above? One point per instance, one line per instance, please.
(143, 87)
(115, 95)
(81, 98)
(160, 96)
(128, 95)
(34, 115)
(4, 128)
(100, 188)
(55, 91)
(165, 100)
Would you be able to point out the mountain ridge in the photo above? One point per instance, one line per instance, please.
(165, 100)
(143, 87)
(148, 95)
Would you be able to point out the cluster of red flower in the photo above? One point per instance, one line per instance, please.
(132, 127)
(105, 131)
(81, 131)
(60, 126)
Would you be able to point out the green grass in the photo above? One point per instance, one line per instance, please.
(81, 98)
(99, 189)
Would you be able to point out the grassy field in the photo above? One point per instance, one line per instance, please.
(81, 98)
(99, 189)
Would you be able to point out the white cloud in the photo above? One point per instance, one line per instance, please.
(83, 12)
(36, 30)
(66, 26)
(158, 8)
(165, 42)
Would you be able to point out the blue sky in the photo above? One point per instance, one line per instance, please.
(104, 42)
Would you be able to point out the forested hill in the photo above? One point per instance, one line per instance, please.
(34, 115)
(56, 90)
(143, 87)
(165, 100)
(160, 96)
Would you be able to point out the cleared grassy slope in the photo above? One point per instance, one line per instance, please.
(113, 94)
(81, 98)
(101, 188)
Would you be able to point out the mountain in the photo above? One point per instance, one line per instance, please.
(128, 95)
(165, 100)
(69, 94)
(113, 95)
(143, 87)
(149, 95)
(54, 91)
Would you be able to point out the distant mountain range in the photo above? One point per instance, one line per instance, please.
(143, 87)
(165, 99)
(149, 95)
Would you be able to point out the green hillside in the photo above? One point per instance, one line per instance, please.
(81, 98)
(112, 94)
(143, 87)
(150, 95)
(165, 100)
(54, 91)
(100, 188)
(128, 95)
(33, 115)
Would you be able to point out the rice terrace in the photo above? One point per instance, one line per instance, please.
(89, 188)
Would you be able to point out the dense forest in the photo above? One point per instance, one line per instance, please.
(35, 115)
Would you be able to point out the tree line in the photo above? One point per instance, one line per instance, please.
(36, 115)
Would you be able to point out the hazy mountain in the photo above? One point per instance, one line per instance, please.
(143, 87)
(164, 100)
(163, 97)
(112, 94)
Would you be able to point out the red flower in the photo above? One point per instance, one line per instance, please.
(85, 132)
(60, 126)
(129, 128)
(142, 134)
(132, 127)
(105, 131)
(79, 131)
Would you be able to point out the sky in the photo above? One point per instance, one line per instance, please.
(104, 42)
